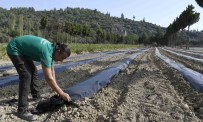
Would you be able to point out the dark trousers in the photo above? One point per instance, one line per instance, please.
(28, 80)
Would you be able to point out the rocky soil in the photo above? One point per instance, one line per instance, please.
(148, 90)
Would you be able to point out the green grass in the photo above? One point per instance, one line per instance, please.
(3, 54)
(79, 48)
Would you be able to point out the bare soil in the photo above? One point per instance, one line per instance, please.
(148, 90)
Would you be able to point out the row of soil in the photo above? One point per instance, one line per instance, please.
(140, 93)
(188, 53)
(192, 64)
(199, 50)
(189, 95)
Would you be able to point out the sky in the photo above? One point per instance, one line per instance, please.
(159, 12)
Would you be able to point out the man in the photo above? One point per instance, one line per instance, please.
(23, 51)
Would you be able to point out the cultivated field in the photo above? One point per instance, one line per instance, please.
(147, 90)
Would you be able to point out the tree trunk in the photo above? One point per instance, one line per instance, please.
(188, 40)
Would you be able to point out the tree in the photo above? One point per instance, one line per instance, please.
(143, 19)
(122, 16)
(11, 22)
(29, 27)
(199, 2)
(158, 38)
(37, 30)
(145, 38)
(43, 22)
(69, 28)
(110, 37)
(99, 35)
(191, 18)
(85, 32)
(132, 39)
(186, 19)
(20, 25)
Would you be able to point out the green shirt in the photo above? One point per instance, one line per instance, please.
(32, 48)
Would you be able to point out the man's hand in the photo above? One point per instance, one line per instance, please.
(50, 78)
(65, 97)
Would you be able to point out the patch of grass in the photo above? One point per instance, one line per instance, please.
(3, 54)
(79, 48)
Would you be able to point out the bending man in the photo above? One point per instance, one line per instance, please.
(23, 51)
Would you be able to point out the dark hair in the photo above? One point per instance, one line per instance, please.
(63, 48)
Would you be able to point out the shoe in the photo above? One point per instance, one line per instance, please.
(26, 115)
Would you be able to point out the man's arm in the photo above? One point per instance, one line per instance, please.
(53, 72)
(52, 83)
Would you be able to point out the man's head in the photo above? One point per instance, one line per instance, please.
(61, 52)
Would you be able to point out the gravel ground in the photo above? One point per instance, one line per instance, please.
(148, 90)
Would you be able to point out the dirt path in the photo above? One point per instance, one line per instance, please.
(147, 90)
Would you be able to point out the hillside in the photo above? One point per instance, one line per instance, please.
(30, 20)
(79, 25)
